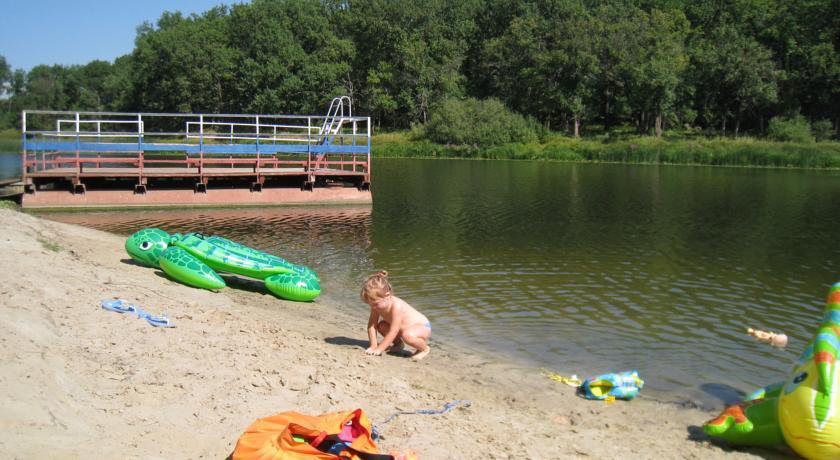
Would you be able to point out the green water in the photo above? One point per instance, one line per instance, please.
(10, 165)
(580, 268)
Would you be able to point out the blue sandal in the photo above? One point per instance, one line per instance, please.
(118, 305)
(156, 321)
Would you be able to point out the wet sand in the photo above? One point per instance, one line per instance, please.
(77, 381)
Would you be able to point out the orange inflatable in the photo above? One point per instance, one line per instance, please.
(295, 436)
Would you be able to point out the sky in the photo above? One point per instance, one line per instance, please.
(68, 32)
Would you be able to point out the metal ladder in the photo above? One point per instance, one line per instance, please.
(334, 119)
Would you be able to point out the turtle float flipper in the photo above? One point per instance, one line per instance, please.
(186, 268)
(302, 288)
(751, 423)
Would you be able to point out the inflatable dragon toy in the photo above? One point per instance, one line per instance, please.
(804, 410)
(194, 259)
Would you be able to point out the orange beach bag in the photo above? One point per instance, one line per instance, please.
(295, 436)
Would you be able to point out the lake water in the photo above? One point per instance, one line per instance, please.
(579, 268)
(10, 165)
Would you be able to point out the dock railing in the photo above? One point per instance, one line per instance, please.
(75, 142)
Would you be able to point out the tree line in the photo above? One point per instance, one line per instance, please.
(714, 67)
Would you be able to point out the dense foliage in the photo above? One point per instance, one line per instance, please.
(720, 68)
(475, 122)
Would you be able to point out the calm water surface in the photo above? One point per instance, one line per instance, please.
(580, 268)
(10, 165)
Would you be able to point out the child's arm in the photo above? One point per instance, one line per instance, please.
(393, 332)
(371, 326)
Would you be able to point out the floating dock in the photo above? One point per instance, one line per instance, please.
(108, 159)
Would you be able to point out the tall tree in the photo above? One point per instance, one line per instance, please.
(183, 64)
(288, 56)
(733, 75)
(543, 63)
(5, 76)
(409, 54)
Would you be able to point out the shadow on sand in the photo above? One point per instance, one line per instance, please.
(130, 261)
(727, 394)
(347, 341)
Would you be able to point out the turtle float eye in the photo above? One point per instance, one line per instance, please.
(145, 245)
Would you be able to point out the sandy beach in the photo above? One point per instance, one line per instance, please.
(77, 381)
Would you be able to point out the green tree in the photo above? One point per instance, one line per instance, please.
(733, 76)
(543, 62)
(642, 61)
(183, 64)
(288, 56)
(5, 76)
(117, 88)
(409, 54)
(475, 122)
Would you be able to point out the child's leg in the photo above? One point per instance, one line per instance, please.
(383, 327)
(418, 337)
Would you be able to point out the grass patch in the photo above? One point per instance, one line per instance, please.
(9, 141)
(9, 204)
(48, 244)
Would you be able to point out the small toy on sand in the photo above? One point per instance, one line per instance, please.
(619, 385)
(776, 339)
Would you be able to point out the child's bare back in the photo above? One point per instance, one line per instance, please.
(397, 321)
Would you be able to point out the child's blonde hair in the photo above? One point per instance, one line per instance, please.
(376, 286)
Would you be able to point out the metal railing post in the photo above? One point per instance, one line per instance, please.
(140, 143)
(78, 146)
(258, 133)
(200, 145)
(368, 147)
(308, 143)
(24, 154)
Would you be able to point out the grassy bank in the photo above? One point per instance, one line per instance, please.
(650, 150)
(9, 141)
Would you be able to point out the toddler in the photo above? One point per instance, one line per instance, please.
(397, 321)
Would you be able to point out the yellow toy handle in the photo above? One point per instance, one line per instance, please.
(572, 381)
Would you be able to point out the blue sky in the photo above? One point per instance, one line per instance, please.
(66, 32)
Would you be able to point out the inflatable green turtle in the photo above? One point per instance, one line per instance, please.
(194, 259)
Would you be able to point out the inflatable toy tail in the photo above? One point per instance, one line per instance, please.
(827, 341)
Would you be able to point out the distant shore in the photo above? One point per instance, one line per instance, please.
(744, 151)
(81, 381)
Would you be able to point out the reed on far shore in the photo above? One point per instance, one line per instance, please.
(719, 151)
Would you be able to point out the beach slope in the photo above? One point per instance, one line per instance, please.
(77, 381)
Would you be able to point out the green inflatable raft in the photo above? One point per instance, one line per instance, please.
(195, 259)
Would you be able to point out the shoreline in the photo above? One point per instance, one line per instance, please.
(81, 381)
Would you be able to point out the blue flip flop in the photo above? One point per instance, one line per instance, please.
(121, 306)
(159, 321)
(118, 305)
(156, 321)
